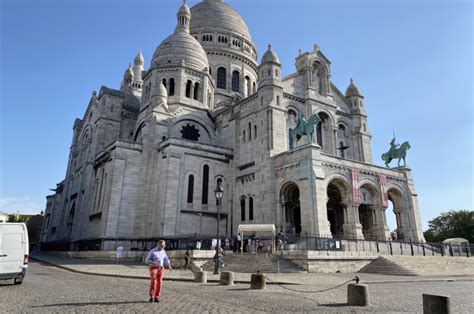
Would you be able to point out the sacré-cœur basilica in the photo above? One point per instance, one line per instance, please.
(145, 159)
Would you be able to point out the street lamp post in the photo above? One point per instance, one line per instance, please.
(219, 193)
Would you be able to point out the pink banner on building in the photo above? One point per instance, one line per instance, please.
(355, 187)
(383, 189)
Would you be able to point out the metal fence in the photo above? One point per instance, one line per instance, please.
(323, 243)
(290, 242)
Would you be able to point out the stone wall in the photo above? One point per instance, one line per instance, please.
(330, 262)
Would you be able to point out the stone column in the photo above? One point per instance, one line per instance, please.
(379, 229)
(281, 219)
(352, 227)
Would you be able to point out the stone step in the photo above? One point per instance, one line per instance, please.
(249, 263)
(384, 266)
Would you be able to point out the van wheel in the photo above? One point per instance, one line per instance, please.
(18, 280)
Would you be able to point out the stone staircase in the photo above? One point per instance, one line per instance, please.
(421, 266)
(249, 263)
(384, 266)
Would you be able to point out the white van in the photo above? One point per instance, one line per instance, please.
(14, 251)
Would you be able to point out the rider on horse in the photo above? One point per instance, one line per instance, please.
(393, 147)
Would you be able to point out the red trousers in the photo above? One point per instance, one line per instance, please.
(156, 280)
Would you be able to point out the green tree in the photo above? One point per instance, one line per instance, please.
(34, 226)
(19, 218)
(452, 224)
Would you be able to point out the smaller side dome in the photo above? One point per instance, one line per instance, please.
(352, 90)
(270, 56)
(128, 73)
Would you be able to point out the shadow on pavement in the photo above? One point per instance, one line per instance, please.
(334, 304)
(90, 303)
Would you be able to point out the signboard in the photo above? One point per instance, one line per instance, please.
(383, 189)
(355, 188)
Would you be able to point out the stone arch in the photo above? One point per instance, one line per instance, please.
(320, 76)
(371, 216)
(338, 197)
(325, 131)
(85, 143)
(291, 209)
(343, 139)
(205, 133)
(397, 199)
(138, 136)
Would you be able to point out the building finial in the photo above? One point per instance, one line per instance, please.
(299, 52)
(316, 47)
(184, 18)
(352, 81)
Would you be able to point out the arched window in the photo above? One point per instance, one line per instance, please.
(248, 86)
(319, 134)
(250, 208)
(250, 131)
(205, 184)
(341, 135)
(196, 90)
(171, 93)
(164, 82)
(243, 136)
(255, 131)
(221, 78)
(188, 88)
(254, 87)
(236, 81)
(242, 208)
(190, 189)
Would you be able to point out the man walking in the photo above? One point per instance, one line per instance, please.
(157, 260)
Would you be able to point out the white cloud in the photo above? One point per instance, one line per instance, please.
(24, 205)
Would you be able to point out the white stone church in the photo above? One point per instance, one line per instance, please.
(145, 159)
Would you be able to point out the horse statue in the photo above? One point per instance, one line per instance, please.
(394, 152)
(303, 128)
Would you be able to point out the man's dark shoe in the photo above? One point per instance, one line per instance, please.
(157, 300)
(151, 299)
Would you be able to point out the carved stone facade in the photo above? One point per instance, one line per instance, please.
(145, 160)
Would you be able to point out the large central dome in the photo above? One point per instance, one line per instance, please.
(217, 15)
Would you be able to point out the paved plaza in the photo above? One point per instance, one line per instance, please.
(51, 289)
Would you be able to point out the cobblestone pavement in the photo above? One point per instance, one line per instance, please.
(139, 270)
(49, 289)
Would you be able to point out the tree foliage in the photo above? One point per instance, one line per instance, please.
(34, 226)
(452, 224)
(17, 218)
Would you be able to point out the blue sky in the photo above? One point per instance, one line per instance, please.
(412, 60)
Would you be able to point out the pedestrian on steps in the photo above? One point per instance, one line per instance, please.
(186, 258)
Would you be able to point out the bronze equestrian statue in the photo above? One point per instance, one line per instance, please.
(303, 128)
(396, 152)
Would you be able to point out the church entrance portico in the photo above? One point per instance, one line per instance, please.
(291, 215)
(371, 214)
(335, 209)
(396, 199)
